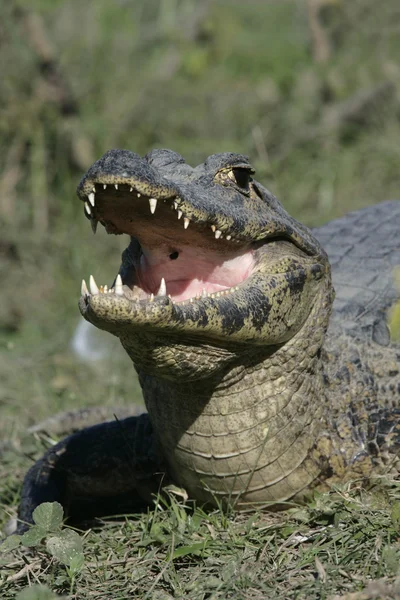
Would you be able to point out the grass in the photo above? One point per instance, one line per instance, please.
(341, 545)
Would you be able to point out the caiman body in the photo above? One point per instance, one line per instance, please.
(223, 303)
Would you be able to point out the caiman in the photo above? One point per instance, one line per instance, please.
(256, 395)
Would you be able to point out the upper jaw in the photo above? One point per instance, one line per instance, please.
(121, 173)
(201, 196)
(125, 200)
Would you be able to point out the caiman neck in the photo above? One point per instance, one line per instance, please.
(249, 438)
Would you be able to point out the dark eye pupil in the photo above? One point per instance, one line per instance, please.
(242, 177)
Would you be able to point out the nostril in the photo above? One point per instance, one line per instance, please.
(174, 255)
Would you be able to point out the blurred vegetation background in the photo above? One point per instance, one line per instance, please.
(308, 89)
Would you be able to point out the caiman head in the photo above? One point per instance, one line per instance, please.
(215, 271)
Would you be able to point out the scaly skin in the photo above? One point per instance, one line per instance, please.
(222, 302)
(361, 362)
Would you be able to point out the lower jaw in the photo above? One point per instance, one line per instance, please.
(181, 291)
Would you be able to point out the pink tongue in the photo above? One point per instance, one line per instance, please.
(192, 272)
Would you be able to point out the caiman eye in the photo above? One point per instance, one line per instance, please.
(241, 177)
(238, 177)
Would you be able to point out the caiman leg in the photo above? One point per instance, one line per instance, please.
(105, 469)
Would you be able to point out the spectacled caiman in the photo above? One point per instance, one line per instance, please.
(255, 393)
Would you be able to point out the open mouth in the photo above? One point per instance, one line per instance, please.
(211, 252)
(173, 253)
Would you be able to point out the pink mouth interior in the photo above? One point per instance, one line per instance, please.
(190, 260)
(196, 269)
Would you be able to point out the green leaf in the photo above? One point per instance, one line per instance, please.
(33, 536)
(76, 563)
(390, 557)
(65, 546)
(176, 491)
(10, 543)
(395, 515)
(302, 515)
(36, 592)
(197, 549)
(156, 535)
(49, 515)
(212, 582)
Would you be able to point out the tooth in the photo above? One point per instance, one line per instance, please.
(175, 205)
(91, 198)
(131, 189)
(218, 234)
(105, 289)
(213, 227)
(104, 186)
(138, 195)
(228, 237)
(151, 297)
(180, 213)
(94, 290)
(87, 209)
(118, 286)
(204, 293)
(116, 185)
(153, 205)
(163, 288)
(93, 189)
(84, 290)
(93, 223)
(186, 222)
